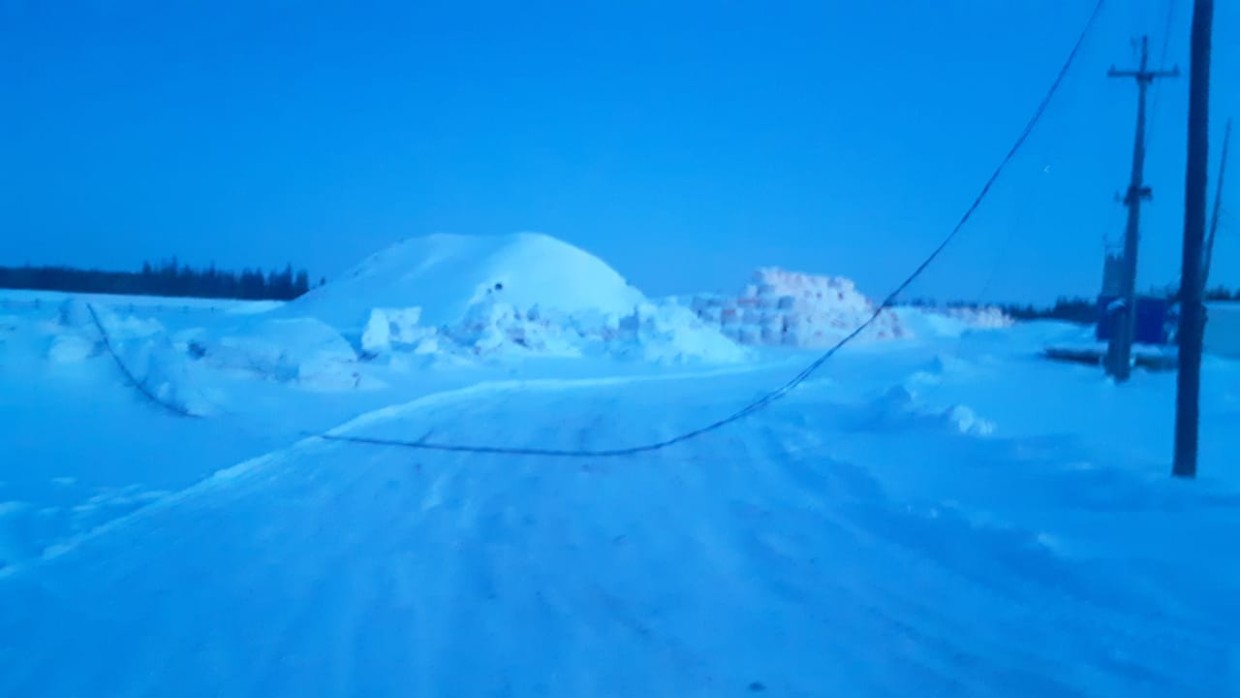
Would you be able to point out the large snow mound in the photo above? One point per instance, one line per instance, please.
(446, 275)
(514, 295)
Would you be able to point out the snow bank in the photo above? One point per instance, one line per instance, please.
(174, 367)
(792, 309)
(294, 350)
(166, 372)
(951, 322)
(989, 317)
(288, 350)
(72, 348)
(506, 296)
(76, 338)
(1222, 334)
(143, 347)
(667, 332)
(901, 407)
(388, 326)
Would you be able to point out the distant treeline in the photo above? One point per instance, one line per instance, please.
(1219, 294)
(168, 279)
(1081, 310)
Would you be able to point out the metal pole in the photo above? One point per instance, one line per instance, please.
(1119, 354)
(1192, 312)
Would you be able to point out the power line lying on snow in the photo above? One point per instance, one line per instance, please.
(764, 401)
(133, 381)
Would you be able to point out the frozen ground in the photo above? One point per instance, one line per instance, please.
(940, 515)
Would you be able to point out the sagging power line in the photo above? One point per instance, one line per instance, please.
(130, 378)
(1217, 211)
(425, 444)
(780, 392)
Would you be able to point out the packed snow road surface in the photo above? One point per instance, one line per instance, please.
(801, 552)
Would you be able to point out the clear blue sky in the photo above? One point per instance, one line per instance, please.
(683, 142)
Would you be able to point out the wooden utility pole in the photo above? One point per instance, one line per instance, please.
(1119, 351)
(1192, 312)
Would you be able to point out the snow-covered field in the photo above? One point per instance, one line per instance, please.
(937, 511)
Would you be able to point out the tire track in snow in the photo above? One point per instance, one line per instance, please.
(541, 565)
(799, 551)
(696, 571)
(1013, 590)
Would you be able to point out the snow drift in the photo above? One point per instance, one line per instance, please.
(515, 295)
(303, 351)
(951, 321)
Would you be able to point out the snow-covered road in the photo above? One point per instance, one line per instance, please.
(798, 552)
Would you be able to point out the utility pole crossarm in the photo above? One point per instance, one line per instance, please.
(1148, 75)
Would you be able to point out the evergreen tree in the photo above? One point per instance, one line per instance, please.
(302, 284)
